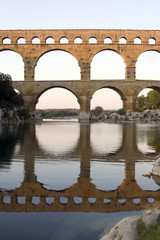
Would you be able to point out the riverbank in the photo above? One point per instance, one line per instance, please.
(17, 115)
(129, 228)
(122, 116)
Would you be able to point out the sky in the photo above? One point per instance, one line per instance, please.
(83, 14)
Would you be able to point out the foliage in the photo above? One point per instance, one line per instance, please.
(8, 96)
(97, 110)
(121, 111)
(58, 113)
(148, 233)
(151, 101)
(154, 99)
(23, 113)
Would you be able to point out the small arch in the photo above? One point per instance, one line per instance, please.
(92, 40)
(78, 40)
(152, 41)
(21, 40)
(63, 40)
(49, 40)
(35, 40)
(122, 40)
(6, 40)
(137, 40)
(107, 40)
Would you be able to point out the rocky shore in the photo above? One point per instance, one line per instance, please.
(126, 229)
(144, 117)
(17, 115)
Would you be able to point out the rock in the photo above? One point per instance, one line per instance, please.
(156, 167)
(126, 229)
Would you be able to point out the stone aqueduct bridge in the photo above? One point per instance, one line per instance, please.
(84, 52)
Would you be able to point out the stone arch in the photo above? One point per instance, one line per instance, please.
(78, 40)
(117, 93)
(113, 59)
(49, 40)
(92, 40)
(152, 40)
(21, 40)
(107, 40)
(9, 62)
(147, 65)
(6, 40)
(36, 40)
(63, 40)
(137, 40)
(58, 58)
(122, 40)
(57, 87)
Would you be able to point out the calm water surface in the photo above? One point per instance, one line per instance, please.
(65, 180)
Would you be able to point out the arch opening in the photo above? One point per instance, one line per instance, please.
(12, 63)
(147, 66)
(78, 40)
(57, 65)
(92, 40)
(104, 64)
(107, 98)
(148, 99)
(6, 41)
(49, 40)
(57, 98)
(35, 40)
(107, 40)
(21, 40)
(152, 41)
(64, 40)
(137, 40)
(122, 40)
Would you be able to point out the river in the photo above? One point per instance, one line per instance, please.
(66, 180)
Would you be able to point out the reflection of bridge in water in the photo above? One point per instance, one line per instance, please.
(82, 196)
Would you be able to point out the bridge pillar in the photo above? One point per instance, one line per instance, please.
(85, 70)
(29, 103)
(29, 68)
(129, 103)
(130, 73)
(84, 102)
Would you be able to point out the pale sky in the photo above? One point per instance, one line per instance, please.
(83, 14)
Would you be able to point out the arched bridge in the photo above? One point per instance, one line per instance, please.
(83, 45)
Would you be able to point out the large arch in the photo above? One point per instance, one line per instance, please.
(57, 97)
(147, 66)
(12, 63)
(108, 98)
(57, 65)
(107, 64)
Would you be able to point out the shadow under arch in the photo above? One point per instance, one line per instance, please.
(11, 60)
(116, 90)
(111, 58)
(147, 65)
(62, 60)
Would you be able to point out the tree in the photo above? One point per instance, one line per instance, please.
(8, 96)
(97, 110)
(140, 104)
(154, 99)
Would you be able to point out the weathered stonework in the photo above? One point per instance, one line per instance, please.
(84, 52)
